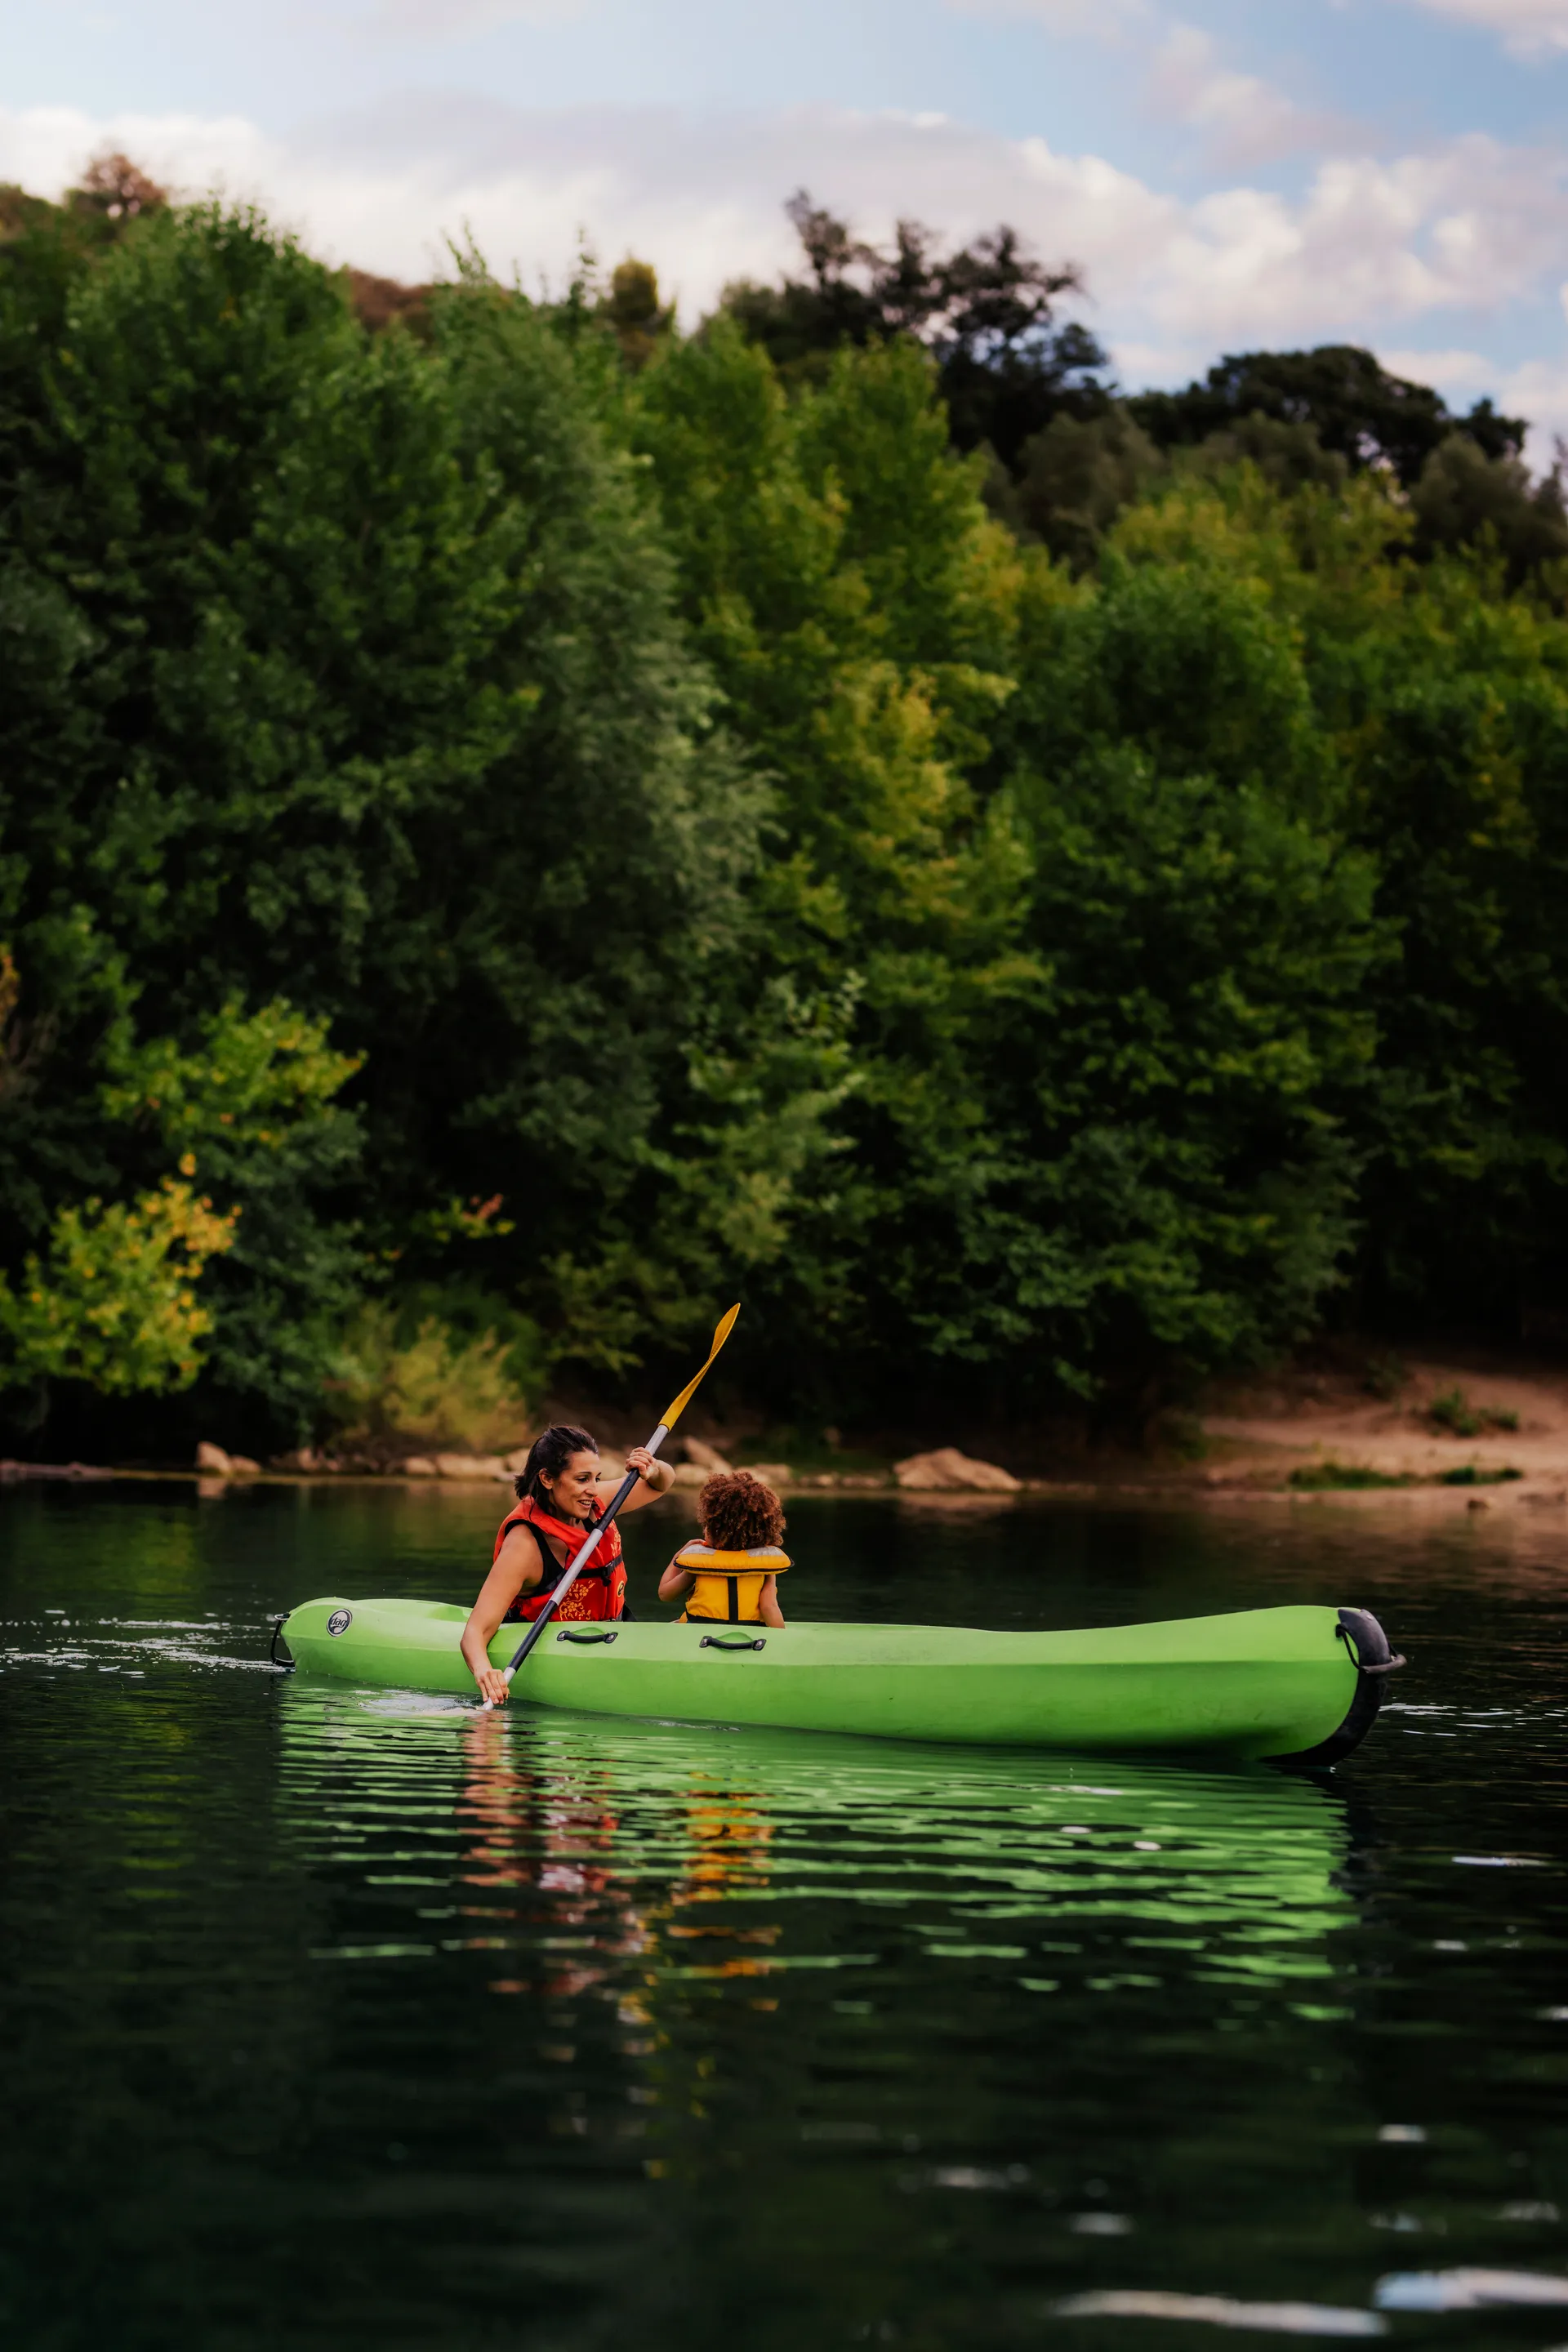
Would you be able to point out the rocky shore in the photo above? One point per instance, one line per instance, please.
(946, 1471)
(1458, 1434)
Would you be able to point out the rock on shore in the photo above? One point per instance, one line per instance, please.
(947, 1468)
(212, 1462)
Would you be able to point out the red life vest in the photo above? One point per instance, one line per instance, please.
(599, 1591)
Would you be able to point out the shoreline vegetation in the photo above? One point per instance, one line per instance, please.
(1424, 1431)
(520, 819)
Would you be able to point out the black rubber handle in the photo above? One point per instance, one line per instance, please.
(568, 1635)
(717, 1641)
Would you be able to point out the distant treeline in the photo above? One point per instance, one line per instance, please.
(519, 825)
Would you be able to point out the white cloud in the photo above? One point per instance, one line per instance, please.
(1102, 19)
(1538, 390)
(1369, 245)
(1525, 25)
(453, 20)
(1471, 225)
(44, 147)
(1241, 118)
(1452, 373)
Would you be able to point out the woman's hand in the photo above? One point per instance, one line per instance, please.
(654, 1473)
(493, 1685)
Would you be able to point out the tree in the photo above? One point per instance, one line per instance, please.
(987, 313)
(1074, 479)
(635, 311)
(1437, 702)
(349, 672)
(1465, 497)
(114, 189)
(1358, 409)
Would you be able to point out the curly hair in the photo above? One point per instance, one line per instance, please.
(738, 1512)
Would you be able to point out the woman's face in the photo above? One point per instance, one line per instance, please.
(571, 1489)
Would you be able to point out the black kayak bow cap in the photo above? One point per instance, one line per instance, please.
(1368, 1644)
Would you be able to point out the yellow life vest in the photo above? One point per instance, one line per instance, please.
(729, 1586)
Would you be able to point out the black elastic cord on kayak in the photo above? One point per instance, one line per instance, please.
(1385, 1666)
(284, 1665)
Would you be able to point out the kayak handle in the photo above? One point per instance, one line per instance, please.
(566, 1636)
(1389, 1665)
(717, 1641)
(278, 1622)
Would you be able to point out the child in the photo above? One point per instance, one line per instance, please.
(731, 1578)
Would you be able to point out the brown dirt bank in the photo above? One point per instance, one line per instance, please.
(1438, 1415)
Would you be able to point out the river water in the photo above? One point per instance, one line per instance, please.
(340, 2019)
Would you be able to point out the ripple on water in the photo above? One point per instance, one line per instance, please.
(359, 2019)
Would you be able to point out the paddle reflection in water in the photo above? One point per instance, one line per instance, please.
(859, 2016)
(337, 2019)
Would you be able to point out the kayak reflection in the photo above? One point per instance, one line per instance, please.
(826, 2006)
(639, 1839)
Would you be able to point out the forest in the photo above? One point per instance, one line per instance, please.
(521, 822)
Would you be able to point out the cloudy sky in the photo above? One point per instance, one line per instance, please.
(1229, 174)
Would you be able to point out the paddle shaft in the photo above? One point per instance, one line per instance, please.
(580, 1559)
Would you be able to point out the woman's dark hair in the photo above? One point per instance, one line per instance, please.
(738, 1512)
(550, 1452)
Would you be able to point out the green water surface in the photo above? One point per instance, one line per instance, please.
(337, 2019)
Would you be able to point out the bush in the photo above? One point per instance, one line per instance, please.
(395, 1391)
(1456, 1416)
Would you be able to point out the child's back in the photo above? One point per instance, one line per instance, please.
(730, 1576)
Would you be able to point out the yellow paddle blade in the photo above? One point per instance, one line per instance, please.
(672, 1413)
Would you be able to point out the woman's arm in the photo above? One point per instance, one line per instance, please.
(654, 1478)
(768, 1608)
(518, 1567)
(675, 1583)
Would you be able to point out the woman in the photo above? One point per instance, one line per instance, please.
(556, 1510)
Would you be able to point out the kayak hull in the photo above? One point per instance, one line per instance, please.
(1279, 1683)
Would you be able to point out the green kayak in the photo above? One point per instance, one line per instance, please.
(1298, 1683)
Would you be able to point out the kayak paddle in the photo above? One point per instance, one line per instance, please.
(581, 1558)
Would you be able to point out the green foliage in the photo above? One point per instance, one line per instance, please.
(635, 311)
(987, 313)
(1354, 405)
(1465, 497)
(561, 823)
(355, 674)
(1074, 479)
(1344, 1477)
(255, 1103)
(1456, 1416)
(112, 1301)
(403, 1383)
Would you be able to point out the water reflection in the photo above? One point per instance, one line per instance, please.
(631, 1833)
(360, 2020)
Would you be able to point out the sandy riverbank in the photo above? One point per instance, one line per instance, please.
(1301, 1425)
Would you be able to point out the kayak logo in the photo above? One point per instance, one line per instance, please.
(339, 1622)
